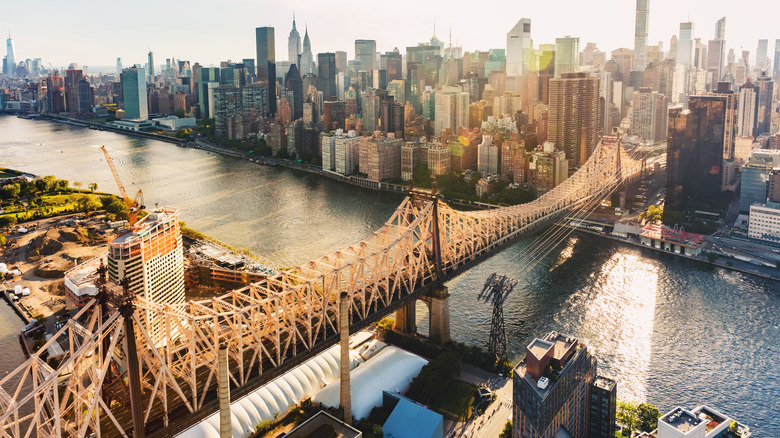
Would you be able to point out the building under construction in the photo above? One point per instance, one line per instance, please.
(212, 264)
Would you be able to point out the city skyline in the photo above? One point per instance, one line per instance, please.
(478, 30)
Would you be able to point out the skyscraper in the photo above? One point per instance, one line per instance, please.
(567, 55)
(720, 29)
(266, 63)
(293, 82)
(685, 45)
(118, 66)
(747, 114)
(761, 54)
(518, 47)
(365, 52)
(649, 115)
(208, 75)
(326, 79)
(574, 115)
(307, 58)
(150, 66)
(777, 60)
(640, 34)
(765, 92)
(293, 44)
(10, 56)
(134, 92)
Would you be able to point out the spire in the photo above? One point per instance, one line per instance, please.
(307, 30)
(294, 21)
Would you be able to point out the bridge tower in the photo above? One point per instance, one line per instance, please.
(438, 297)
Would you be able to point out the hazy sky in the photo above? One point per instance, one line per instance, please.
(95, 33)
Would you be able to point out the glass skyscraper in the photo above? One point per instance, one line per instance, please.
(134, 91)
(266, 63)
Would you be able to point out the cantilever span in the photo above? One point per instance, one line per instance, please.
(272, 324)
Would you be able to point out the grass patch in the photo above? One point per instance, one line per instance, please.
(457, 401)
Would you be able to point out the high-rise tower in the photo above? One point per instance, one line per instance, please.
(293, 45)
(720, 29)
(266, 63)
(307, 58)
(685, 45)
(150, 66)
(365, 52)
(118, 66)
(10, 56)
(761, 54)
(567, 55)
(574, 115)
(518, 47)
(134, 92)
(640, 34)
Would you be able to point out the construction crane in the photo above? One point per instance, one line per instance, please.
(133, 205)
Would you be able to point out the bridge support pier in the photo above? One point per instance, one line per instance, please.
(439, 305)
(622, 199)
(405, 318)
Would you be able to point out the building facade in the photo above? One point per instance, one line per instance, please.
(266, 63)
(574, 115)
(134, 92)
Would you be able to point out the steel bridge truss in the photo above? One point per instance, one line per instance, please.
(267, 324)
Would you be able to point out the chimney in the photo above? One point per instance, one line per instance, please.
(344, 385)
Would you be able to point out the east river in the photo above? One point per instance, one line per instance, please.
(670, 331)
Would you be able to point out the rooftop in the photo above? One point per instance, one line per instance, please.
(324, 425)
(539, 347)
(146, 226)
(681, 419)
(604, 383)
(664, 233)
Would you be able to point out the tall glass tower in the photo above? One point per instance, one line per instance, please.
(640, 34)
(134, 92)
(266, 63)
(10, 58)
(293, 44)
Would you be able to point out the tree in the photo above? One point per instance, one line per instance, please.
(648, 416)
(114, 206)
(77, 184)
(386, 324)
(627, 414)
(45, 184)
(653, 213)
(10, 191)
(179, 113)
(422, 175)
(88, 203)
(712, 256)
(7, 221)
(507, 432)
(61, 185)
(93, 186)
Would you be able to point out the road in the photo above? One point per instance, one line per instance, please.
(492, 422)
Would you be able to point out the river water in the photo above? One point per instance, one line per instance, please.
(670, 331)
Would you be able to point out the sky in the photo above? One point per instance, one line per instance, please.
(95, 33)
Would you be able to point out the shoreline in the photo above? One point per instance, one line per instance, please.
(661, 251)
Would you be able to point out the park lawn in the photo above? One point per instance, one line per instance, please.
(456, 403)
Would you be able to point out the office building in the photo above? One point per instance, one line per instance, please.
(720, 29)
(776, 63)
(451, 110)
(685, 45)
(134, 92)
(762, 61)
(640, 34)
(294, 84)
(327, 75)
(765, 90)
(293, 44)
(380, 157)
(227, 103)
(347, 153)
(307, 57)
(365, 52)
(755, 182)
(573, 123)
(150, 66)
(552, 389)
(747, 114)
(649, 115)
(567, 55)
(624, 60)
(10, 57)
(150, 256)
(266, 63)
(603, 408)
(716, 51)
(519, 47)
(209, 79)
(696, 148)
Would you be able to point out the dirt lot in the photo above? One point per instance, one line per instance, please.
(51, 247)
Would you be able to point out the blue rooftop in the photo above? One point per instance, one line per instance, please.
(410, 420)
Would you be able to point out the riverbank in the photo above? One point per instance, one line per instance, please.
(736, 265)
(110, 128)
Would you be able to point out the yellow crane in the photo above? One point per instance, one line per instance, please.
(133, 205)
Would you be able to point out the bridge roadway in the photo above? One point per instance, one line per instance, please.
(273, 325)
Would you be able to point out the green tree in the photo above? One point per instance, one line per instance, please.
(61, 185)
(88, 203)
(77, 184)
(386, 324)
(712, 256)
(648, 416)
(114, 206)
(93, 186)
(507, 432)
(7, 221)
(422, 175)
(179, 113)
(45, 184)
(628, 414)
(10, 191)
(653, 213)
